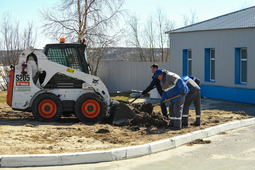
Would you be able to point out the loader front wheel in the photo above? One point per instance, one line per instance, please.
(90, 108)
(47, 107)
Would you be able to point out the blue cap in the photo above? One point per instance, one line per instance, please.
(158, 72)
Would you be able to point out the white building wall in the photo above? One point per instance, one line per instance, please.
(224, 42)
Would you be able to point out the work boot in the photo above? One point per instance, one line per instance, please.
(197, 122)
(171, 123)
(185, 122)
(175, 128)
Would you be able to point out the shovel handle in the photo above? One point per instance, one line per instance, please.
(135, 99)
(169, 99)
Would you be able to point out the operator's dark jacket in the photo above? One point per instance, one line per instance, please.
(154, 82)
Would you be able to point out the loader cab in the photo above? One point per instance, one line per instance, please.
(70, 55)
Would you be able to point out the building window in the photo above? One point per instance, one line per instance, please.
(209, 64)
(187, 62)
(212, 64)
(241, 65)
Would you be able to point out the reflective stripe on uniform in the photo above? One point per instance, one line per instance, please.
(198, 116)
(185, 115)
(175, 118)
(169, 88)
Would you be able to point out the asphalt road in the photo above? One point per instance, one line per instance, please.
(233, 150)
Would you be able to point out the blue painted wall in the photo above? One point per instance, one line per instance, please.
(235, 94)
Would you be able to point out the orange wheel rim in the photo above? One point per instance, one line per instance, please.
(47, 108)
(90, 108)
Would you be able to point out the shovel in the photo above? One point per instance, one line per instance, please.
(169, 99)
(135, 99)
(136, 96)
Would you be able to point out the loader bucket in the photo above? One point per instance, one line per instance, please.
(120, 114)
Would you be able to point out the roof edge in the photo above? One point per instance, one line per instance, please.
(168, 32)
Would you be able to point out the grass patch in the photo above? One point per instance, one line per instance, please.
(3, 96)
(121, 96)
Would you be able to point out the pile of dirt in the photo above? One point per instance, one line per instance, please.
(138, 114)
(146, 117)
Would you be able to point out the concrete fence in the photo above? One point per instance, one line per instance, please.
(125, 76)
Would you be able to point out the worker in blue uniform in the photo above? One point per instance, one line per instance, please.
(173, 85)
(193, 96)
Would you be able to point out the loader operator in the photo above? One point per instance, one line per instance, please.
(192, 96)
(156, 83)
(173, 85)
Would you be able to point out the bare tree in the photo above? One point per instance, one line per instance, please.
(89, 19)
(101, 43)
(153, 37)
(12, 43)
(149, 38)
(29, 36)
(11, 40)
(134, 36)
(163, 25)
(161, 38)
(169, 26)
(191, 19)
(77, 19)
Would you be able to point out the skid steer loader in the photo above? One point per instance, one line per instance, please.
(55, 81)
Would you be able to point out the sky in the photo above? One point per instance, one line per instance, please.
(26, 11)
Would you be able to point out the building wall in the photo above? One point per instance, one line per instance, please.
(126, 76)
(224, 42)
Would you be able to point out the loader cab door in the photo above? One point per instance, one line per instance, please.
(70, 55)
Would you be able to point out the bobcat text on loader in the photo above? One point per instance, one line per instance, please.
(57, 81)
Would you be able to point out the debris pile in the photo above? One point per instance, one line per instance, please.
(199, 141)
(137, 114)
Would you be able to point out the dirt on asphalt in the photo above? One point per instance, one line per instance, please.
(22, 134)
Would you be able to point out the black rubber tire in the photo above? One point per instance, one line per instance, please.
(47, 107)
(90, 108)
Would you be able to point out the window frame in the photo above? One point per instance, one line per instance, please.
(238, 65)
(189, 66)
(212, 68)
(241, 69)
(208, 65)
(186, 70)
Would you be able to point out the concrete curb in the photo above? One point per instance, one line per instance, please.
(119, 153)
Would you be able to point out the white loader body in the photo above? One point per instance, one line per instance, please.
(26, 87)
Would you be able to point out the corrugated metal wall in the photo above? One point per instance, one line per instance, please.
(125, 76)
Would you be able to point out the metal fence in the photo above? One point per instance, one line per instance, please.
(125, 76)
